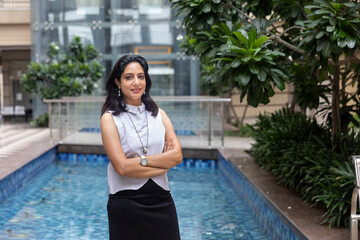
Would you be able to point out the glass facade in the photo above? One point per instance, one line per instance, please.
(146, 27)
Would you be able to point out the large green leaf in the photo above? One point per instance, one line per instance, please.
(242, 38)
(330, 28)
(259, 41)
(326, 51)
(261, 75)
(225, 28)
(236, 63)
(278, 83)
(252, 37)
(319, 34)
(254, 68)
(350, 42)
(244, 77)
(206, 8)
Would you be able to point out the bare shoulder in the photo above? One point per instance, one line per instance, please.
(162, 112)
(106, 118)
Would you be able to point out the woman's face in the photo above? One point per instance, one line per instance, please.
(132, 83)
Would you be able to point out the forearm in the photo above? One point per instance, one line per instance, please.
(131, 168)
(167, 159)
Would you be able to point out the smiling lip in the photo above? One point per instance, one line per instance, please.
(136, 90)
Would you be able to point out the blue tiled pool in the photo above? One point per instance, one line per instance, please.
(67, 200)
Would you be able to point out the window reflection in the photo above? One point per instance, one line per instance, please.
(84, 33)
(125, 15)
(125, 34)
(160, 34)
(155, 12)
(146, 27)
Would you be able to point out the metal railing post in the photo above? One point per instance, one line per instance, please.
(222, 124)
(50, 118)
(67, 118)
(60, 121)
(354, 224)
(209, 125)
(355, 199)
(76, 117)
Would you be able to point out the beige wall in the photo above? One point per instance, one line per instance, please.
(15, 28)
(15, 42)
(13, 62)
(278, 101)
(15, 35)
(14, 16)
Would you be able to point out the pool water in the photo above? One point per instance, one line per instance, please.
(68, 201)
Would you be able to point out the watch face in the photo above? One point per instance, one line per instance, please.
(143, 161)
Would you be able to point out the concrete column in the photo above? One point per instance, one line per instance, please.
(6, 82)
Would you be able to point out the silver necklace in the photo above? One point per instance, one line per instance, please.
(145, 149)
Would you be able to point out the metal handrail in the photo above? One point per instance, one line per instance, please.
(100, 99)
(14, 3)
(355, 201)
(210, 100)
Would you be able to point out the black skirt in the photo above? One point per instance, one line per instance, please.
(144, 214)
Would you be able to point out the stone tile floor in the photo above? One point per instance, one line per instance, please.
(20, 143)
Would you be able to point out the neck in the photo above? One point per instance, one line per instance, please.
(133, 103)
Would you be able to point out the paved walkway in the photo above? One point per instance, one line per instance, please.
(21, 143)
(85, 138)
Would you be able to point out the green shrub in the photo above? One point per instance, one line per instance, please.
(41, 121)
(299, 153)
(338, 182)
(279, 132)
(244, 131)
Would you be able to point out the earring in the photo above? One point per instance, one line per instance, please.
(144, 93)
(119, 93)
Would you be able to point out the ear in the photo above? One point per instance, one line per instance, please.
(117, 82)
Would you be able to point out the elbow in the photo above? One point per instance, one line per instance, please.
(121, 172)
(121, 169)
(179, 158)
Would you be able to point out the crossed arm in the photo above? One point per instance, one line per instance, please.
(130, 167)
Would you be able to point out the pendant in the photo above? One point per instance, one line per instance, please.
(145, 150)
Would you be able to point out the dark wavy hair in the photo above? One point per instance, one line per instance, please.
(117, 104)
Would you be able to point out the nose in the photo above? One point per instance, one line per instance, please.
(137, 80)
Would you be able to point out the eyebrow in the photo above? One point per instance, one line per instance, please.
(133, 74)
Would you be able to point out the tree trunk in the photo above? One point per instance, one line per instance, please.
(335, 104)
(244, 115)
(292, 104)
(234, 112)
(231, 106)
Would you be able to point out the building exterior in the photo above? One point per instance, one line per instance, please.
(15, 44)
(147, 27)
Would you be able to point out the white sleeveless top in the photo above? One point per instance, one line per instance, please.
(132, 147)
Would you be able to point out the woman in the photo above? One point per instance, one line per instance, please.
(142, 146)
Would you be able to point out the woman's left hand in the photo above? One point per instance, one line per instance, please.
(168, 146)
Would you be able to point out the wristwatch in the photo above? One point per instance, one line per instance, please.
(143, 160)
